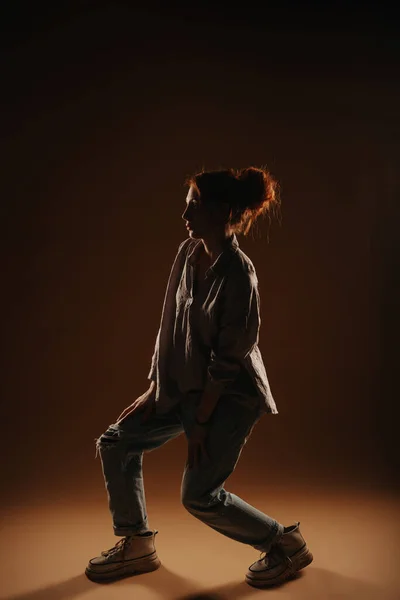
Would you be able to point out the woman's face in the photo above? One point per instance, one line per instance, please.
(203, 220)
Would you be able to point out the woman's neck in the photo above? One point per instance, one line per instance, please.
(213, 246)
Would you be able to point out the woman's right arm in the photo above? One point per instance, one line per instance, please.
(179, 258)
(146, 400)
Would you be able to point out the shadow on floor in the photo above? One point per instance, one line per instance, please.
(311, 583)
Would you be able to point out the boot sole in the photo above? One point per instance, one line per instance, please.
(299, 560)
(135, 566)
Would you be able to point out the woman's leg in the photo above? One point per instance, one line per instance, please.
(121, 449)
(203, 494)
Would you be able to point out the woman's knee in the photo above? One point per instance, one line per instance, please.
(190, 503)
(108, 440)
(193, 501)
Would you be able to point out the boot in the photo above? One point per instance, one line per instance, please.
(287, 556)
(131, 555)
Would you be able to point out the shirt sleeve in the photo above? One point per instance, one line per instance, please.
(152, 375)
(153, 369)
(238, 328)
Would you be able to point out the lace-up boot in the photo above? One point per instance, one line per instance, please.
(287, 556)
(131, 555)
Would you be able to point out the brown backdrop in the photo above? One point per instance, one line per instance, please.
(107, 112)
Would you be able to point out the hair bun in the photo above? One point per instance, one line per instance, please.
(253, 187)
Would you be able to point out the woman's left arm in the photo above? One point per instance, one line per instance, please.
(237, 334)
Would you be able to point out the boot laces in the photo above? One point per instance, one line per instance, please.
(121, 544)
(276, 555)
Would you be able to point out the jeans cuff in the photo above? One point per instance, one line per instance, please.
(126, 531)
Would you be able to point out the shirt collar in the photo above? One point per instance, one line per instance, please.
(220, 264)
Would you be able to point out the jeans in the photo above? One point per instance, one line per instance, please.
(121, 449)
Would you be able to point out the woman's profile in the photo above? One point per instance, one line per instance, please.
(208, 381)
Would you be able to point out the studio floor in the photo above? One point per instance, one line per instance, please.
(353, 535)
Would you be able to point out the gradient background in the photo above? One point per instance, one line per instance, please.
(107, 110)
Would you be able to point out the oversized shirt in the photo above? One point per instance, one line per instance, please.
(210, 341)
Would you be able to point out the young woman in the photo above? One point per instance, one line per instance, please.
(208, 380)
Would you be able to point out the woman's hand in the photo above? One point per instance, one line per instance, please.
(145, 403)
(197, 453)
